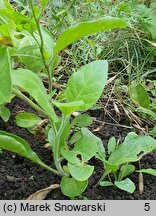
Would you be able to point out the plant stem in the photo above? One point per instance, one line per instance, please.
(50, 169)
(101, 179)
(26, 99)
(106, 172)
(37, 21)
(64, 122)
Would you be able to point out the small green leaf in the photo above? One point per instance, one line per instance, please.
(4, 113)
(71, 156)
(76, 137)
(125, 170)
(83, 120)
(148, 171)
(27, 120)
(139, 95)
(126, 185)
(31, 83)
(82, 29)
(101, 150)
(111, 145)
(5, 77)
(106, 183)
(81, 172)
(68, 108)
(71, 187)
(87, 84)
(87, 145)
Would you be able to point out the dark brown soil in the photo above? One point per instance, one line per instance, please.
(20, 177)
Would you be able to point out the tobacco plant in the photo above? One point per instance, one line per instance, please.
(23, 38)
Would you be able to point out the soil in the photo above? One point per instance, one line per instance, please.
(20, 177)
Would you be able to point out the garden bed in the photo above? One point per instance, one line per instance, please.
(19, 177)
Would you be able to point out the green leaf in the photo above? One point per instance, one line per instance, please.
(19, 19)
(130, 136)
(30, 56)
(76, 136)
(31, 83)
(27, 120)
(72, 156)
(101, 150)
(27, 49)
(71, 187)
(81, 172)
(131, 150)
(139, 95)
(148, 171)
(82, 29)
(68, 108)
(106, 183)
(111, 145)
(18, 145)
(87, 84)
(125, 170)
(82, 120)
(126, 185)
(87, 145)
(5, 78)
(4, 113)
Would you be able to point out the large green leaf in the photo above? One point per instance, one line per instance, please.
(5, 78)
(27, 120)
(131, 150)
(18, 145)
(87, 84)
(139, 95)
(71, 187)
(82, 29)
(31, 83)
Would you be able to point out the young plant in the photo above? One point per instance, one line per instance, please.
(36, 49)
(119, 159)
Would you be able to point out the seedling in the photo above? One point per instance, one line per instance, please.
(119, 159)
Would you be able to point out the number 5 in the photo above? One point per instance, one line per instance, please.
(147, 207)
